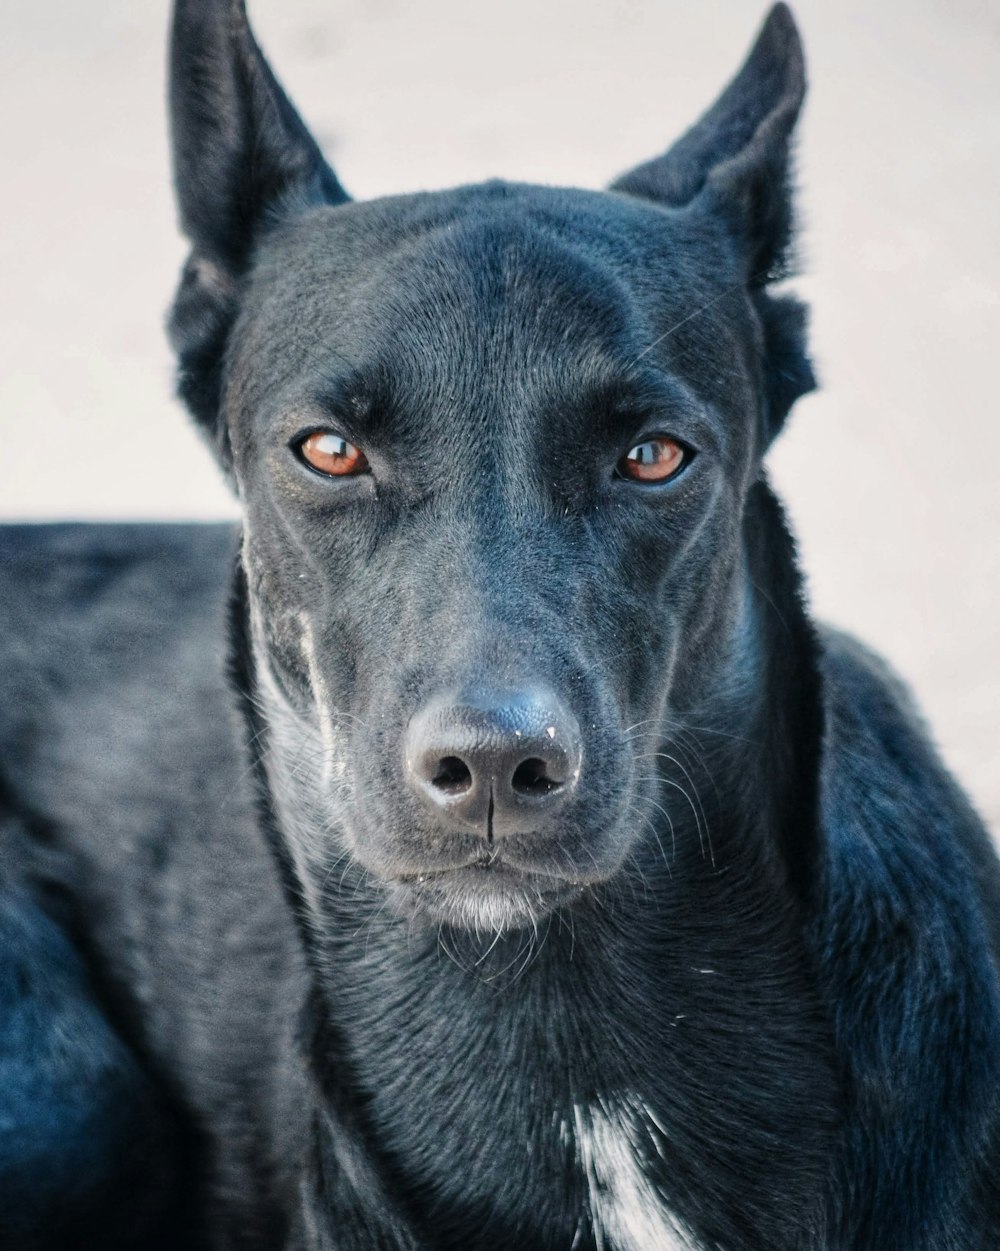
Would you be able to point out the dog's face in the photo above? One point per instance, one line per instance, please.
(493, 447)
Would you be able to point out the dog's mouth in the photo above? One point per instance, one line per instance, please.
(486, 894)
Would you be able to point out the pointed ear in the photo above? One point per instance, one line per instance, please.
(242, 156)
(735, 163)
(738, 152)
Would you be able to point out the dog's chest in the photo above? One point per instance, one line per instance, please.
(577, 1108)
(627, 1212)
(500, 1143)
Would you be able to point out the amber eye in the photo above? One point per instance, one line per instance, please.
(330, 454)
(656, 460)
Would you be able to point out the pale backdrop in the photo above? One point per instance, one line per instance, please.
(890, 474)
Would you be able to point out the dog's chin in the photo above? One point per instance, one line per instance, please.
(482, 898)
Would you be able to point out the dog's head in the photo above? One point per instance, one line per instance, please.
(494, 447)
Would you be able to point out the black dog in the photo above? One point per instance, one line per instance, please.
(532, 874)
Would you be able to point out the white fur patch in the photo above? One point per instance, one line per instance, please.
(628, 1213)
(331, 744)
(311, 752)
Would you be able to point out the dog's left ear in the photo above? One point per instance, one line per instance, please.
(734, 163)
(242, 159)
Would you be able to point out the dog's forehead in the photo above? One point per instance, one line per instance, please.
(496, 283)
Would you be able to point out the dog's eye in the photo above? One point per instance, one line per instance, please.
(656, 460)
(329, 454)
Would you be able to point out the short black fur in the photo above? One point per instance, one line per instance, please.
(484, 849)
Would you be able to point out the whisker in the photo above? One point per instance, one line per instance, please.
(698, 312)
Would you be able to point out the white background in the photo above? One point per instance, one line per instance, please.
(890, 474)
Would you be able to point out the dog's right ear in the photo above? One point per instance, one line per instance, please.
(734, 164)
(735, 160)
(242, 159)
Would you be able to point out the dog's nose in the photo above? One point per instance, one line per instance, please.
(501, 761)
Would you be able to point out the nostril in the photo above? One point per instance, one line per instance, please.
(496, 761)
(532, 777)
(452, 776)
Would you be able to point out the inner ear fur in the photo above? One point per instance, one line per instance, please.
(242, 159)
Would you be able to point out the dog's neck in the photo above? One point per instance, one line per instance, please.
(671, 1010)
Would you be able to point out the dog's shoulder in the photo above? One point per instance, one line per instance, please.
(906, 935)
(883, 783)
(897, 827)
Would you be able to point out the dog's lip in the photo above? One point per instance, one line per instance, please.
(485, 894)
(482, 870)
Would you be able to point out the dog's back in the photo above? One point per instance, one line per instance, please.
(143, 932)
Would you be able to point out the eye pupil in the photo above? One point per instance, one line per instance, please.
(331, 454)
(655, 460)
(330, 445)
